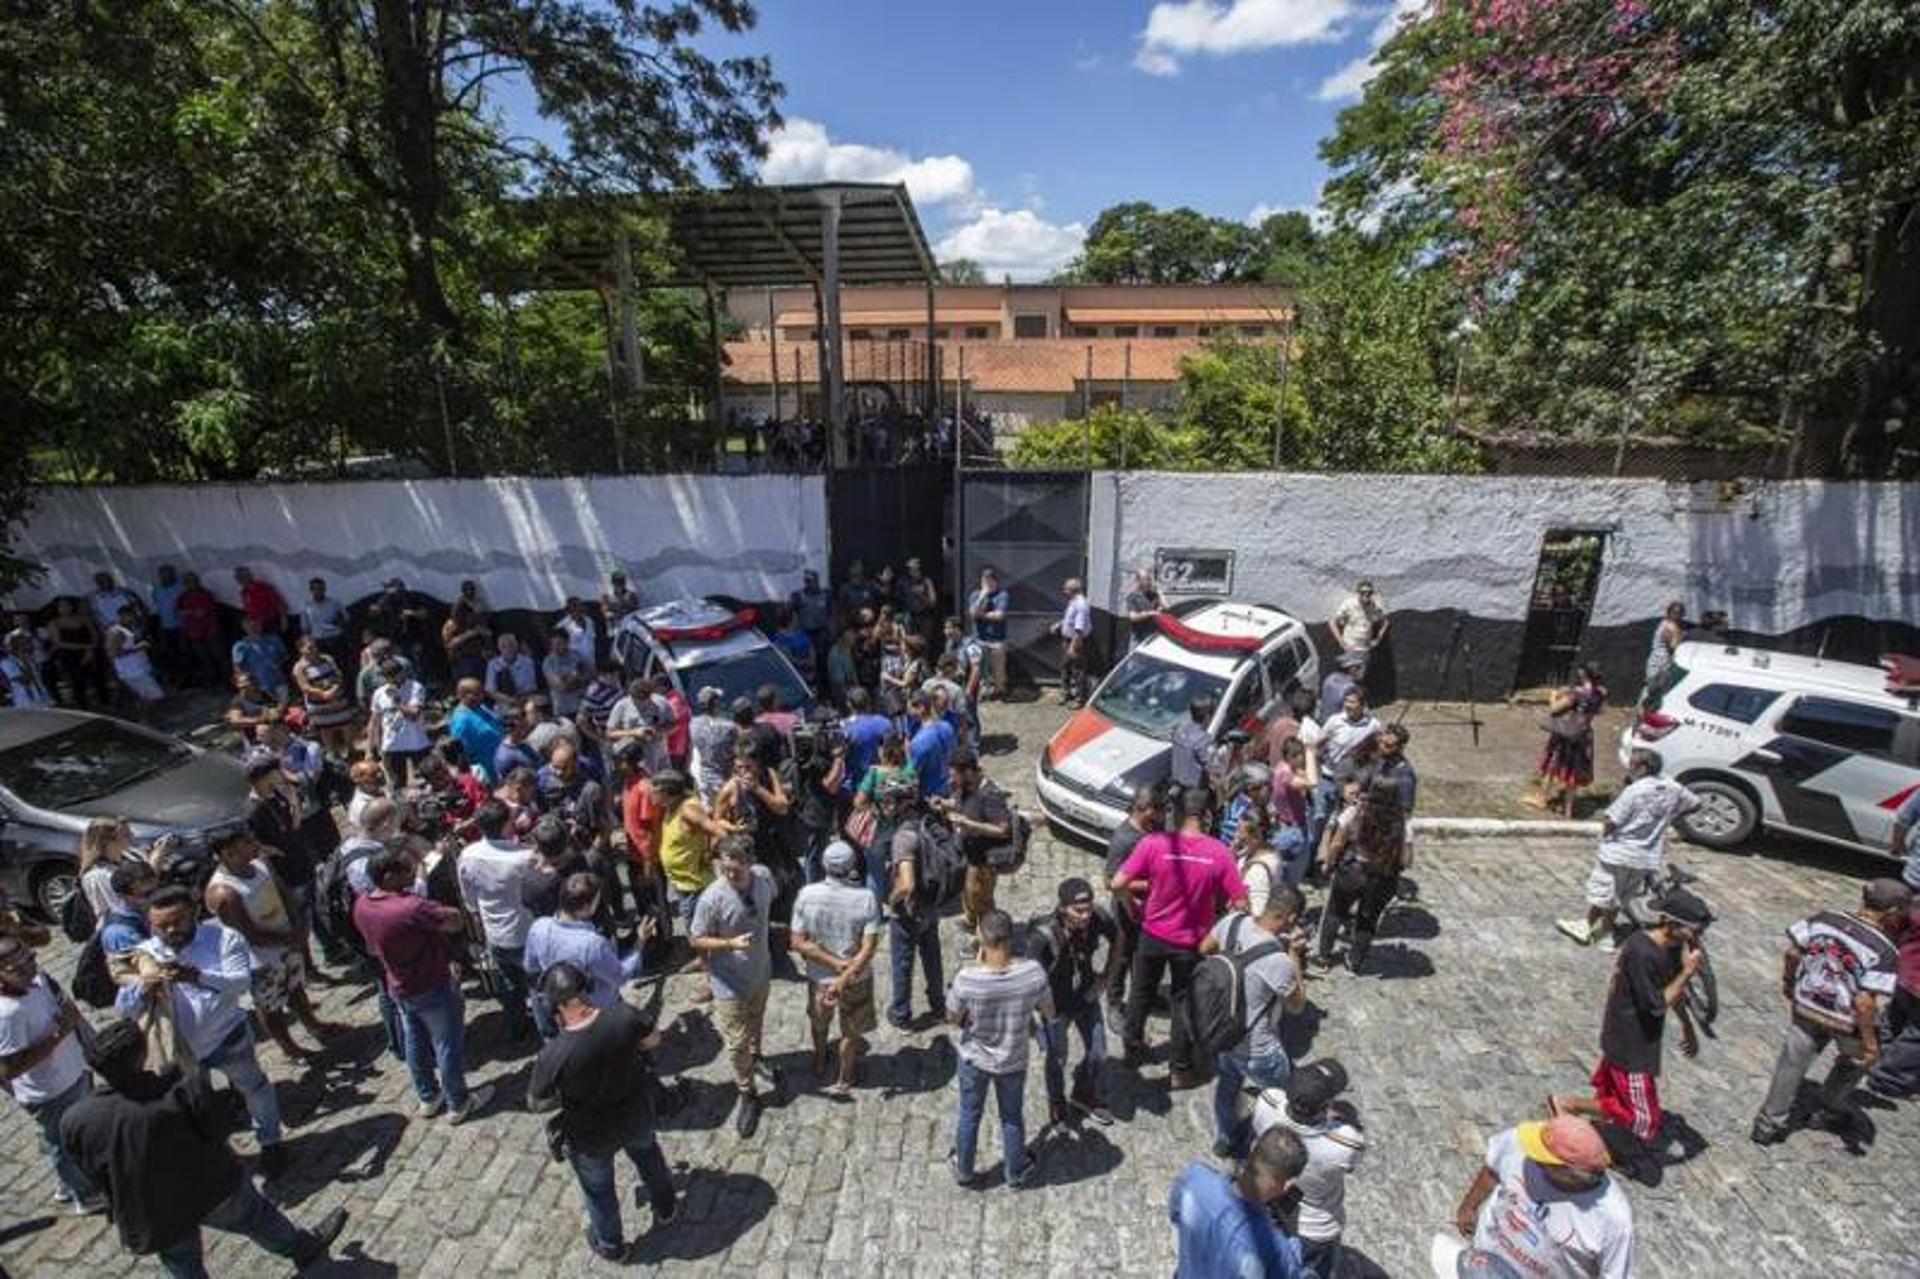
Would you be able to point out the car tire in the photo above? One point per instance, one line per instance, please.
(1727, 817)
(51, 885)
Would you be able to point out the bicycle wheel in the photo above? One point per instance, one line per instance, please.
(1703, 994)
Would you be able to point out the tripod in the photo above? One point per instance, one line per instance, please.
(1456, 644)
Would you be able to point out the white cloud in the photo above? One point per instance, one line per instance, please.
(1177, 28)
(1262, 211)
(801, 151)
(1352, 79)
(1016, 242)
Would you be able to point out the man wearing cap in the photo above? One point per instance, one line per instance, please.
(1836, 972)
(1543, 1204)
(1358, 626)
(1650, 976)
(1227, 1227)
(1065, 944)
(836, 928)
(1330, 1131)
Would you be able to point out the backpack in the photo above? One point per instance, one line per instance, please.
(941, 862)
(1007, 858)
(91, 979)
(1217, 995)
(334, 893)
(77, 920)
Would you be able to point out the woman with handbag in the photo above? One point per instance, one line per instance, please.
(1567, 761)
(1366, 851)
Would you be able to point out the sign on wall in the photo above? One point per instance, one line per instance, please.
(1183, 570)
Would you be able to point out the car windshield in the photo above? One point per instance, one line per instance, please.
(1151, 696)
(85, 762)
(742, 674)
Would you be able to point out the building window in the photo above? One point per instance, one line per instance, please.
(1166, 330)
(1253, 330)
(1206, 330)
(1086, 330)
(1029, 326)
(940, 334)
(1105, 398)
(899, 335)
(860, 335)
(977, 332)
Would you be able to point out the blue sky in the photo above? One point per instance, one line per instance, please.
(1014, 124)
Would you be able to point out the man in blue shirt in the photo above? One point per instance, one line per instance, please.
(570, 937)
(264, 656)
(931, 747)
(1075, 629)
(478, 730)
(864, 731)
(988, 609)
(812, 609)
(793, 641)
(1226, 1228)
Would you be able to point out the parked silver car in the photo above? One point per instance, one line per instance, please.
(60, 769)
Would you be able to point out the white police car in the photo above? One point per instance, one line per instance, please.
(1827, 750)
(1246, 657)
(693, 644)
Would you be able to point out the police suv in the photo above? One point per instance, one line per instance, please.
(1827, 750)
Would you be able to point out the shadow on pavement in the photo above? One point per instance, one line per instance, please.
(353, 1152)
(718, 1209)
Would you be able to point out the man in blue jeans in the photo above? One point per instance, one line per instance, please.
(412, 937)
(993, 1001)
(157, 1146)
(1270, 951)
(41, 1062)
(596, 1073)
(1065, 944)
(913, 929)
(206, 969)
(495, 872)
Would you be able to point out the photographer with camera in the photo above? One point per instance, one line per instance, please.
(567, 792)
(597, 1076)
(820, 771)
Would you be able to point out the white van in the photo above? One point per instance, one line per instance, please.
(1828, 750)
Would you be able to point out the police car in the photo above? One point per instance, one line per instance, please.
(1826, 750)
(1246, 657)
(693, 644)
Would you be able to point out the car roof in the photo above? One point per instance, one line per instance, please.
(1795, 670)
(22, 724)
(1226, 618)
(689, 614)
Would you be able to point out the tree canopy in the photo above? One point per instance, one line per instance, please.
(1137, 243)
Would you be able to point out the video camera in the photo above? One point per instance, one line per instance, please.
(817, 737)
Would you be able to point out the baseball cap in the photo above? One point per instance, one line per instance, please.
(1350, 661)
(1075, 890)
(1887, 894)
(1314, 1086)
(260, 763)
(1565, 1141)
(1678, 903)
(839, 859)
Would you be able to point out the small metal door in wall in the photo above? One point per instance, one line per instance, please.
(1564, 586)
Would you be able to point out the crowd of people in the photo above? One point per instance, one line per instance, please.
(563, 832)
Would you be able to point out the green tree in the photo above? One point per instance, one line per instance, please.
(1110, 438)
(962, 271)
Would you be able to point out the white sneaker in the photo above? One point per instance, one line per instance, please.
(1578, 929)
(1606, 942)
(428, 1109)
(477, 1099)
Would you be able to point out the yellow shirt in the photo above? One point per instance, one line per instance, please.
(685, 849)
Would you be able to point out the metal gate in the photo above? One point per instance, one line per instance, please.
(1564, 586)
(1030, 526)
(886, 515)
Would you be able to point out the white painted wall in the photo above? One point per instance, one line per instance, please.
(1780, 557)
(529, 542)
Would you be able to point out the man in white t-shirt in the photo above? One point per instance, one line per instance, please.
(1543, 1205)
(41, 1062)
(1359, 624)
(494, 872)
(1633, 846)
(1330, 1131)
(127, 644)
(398, 723)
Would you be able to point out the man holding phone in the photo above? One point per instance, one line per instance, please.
(730, 931)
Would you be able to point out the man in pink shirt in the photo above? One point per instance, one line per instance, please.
(1184, 880)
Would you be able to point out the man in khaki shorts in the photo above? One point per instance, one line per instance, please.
(730, 930)
(836, 928)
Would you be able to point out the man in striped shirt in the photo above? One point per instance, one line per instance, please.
(596, 705)
(993, 1002)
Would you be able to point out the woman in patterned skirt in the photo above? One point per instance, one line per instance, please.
(330, 713)
(1567, 761)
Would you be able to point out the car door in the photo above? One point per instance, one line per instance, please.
(1282, 669)
(1840, 768)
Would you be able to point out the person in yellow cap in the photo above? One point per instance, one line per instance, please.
(1542, 1204)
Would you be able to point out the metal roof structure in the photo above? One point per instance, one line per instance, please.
(745, 237)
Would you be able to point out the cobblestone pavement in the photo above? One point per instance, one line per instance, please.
(1481, 1010)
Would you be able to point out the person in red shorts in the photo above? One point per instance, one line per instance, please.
(1650, 977)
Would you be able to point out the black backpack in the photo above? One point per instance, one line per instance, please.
(76, 916)
(91, 980)
(1217, 995)
(334, 893)
(941, 862)
(1007, 858)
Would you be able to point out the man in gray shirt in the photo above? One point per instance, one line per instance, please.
(1192, 743)
(993, 1002)
(1273, 952)
(836, 927)
(730, 931)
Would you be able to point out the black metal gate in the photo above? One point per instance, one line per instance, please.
(886, 515)
(1563, 590)
(1030, 526)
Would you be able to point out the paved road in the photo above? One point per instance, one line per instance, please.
(1482, 1011)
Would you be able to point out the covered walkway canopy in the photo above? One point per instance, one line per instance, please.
(825, 235)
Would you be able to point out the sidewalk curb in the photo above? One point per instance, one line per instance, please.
(1495, 827)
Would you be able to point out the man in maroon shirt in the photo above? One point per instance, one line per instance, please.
(1898, 1074)
(413, 940)
(261, 601)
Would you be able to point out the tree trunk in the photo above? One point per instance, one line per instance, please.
(409, 113)
(1890, 319)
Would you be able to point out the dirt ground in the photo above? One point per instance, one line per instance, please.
(1459, 778)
